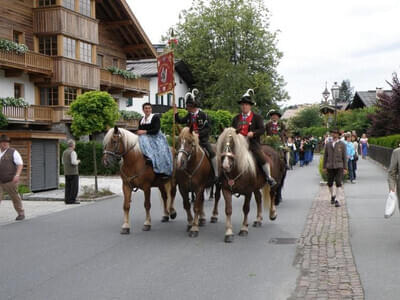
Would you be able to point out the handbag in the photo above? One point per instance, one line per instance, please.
(390, 204)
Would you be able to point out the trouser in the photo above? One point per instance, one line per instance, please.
(335, 175)
(258, 154)
(206, 145)
(296, 157)
(354, 168)
(11, 189)
(350, 168)
(71, 188)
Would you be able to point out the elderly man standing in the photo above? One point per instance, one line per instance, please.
(71, 162)
(11, 167)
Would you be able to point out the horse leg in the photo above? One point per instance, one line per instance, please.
(171, 207)
(164, 196)
(228, 213)
(147, 206)
(272, 208)
(127, 205)
(194, 231)
(186, 206)
(244, 231)
(214, 217)
(202, 220)
(211, 197)
(258, 221)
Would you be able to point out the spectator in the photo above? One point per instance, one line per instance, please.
(354, 139)
(71, 162)
(364, 146)
(350, 156)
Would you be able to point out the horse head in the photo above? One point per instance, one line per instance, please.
(188, 146)
(113, 147)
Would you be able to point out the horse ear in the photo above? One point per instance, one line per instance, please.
(116, 130)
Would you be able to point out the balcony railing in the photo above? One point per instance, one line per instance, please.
(140, 85)
(29, 61)
(31, 114)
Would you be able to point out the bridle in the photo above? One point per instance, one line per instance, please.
(228, 150)
(188, 154)
(229, 153)
(115, 153)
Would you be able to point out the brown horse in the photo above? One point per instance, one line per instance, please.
(241, 175)
(194, 174)
(136, 174)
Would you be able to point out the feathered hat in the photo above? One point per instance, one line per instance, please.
(246, 98)
(274, 112)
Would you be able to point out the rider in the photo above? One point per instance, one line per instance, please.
(200, 122)
(276, 127)
(251, 125)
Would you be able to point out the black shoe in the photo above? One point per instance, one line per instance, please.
(20, 218)
(270, 181)
(333, 199)
(337, 204)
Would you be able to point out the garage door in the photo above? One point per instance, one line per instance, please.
(44, 170)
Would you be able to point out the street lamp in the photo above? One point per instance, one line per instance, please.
(335, 95)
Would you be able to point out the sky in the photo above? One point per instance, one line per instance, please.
(321, 40)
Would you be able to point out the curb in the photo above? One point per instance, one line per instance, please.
(39, 198)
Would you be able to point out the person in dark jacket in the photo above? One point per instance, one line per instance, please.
(199, 121)
(251, 125)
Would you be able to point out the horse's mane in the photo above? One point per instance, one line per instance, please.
(244, 159)
(185, 134)
(129, 139)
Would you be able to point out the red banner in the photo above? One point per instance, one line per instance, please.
(165, 67)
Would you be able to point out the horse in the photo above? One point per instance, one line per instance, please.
(194, 174)
(136, 173)
(242, 175)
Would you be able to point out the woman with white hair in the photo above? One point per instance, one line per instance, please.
(70, 161)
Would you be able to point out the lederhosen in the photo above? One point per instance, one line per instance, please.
(255, 124)
(201, 125)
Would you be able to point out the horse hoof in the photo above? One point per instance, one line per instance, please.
(202, 222)
(243, 233)
(173, 215)
(165, 219)
(257, 224)
(193, 234)
(273, 218)
(125, 231)
(214, 220)
(229, 238)
(188, 228)
(146, 227)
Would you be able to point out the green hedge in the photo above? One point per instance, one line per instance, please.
(84, 150)
(390, 141)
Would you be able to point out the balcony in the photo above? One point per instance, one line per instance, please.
(34, 114)
(139, 86)
(29, 61)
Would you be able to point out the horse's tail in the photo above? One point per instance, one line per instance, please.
(266, 196)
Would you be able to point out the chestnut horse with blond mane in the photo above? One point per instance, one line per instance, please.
(136, 174)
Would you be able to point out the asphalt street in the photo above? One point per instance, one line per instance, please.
(375, 240)
(80, 254)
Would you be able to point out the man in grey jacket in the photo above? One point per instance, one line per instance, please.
(71, 162)
(393, 172)
(335, 164)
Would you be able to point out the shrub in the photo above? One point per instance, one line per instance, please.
(130, 115)
(3, 119)
(391, 141)
(11, 101)
(23, 189)
(166, 120)
(124, 73)
(9, 46)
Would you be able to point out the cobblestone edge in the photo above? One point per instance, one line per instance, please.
(324, 256)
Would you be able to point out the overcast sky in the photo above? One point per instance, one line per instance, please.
(322, 41)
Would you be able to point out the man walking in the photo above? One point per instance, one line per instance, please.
(335, 164)
(71, 162)
(11, 167)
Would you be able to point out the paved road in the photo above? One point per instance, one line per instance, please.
(79, 253)
(375, 240)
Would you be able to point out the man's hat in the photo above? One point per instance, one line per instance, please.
(274, 112)
(246, 98)
(190, 98)
(334, 130)
(4, 138)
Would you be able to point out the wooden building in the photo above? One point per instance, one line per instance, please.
(71, 44)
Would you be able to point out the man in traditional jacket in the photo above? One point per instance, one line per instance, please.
(10, 170)
(251, 125)
(199, 121)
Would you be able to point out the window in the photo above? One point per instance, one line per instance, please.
(69, 47)
(84, 7)
(49, 96)
(115, 62)
(129, 102)
(17, 37)
(69, 4)
(18, 90)
(162, 100)
(100, 59)
(86, 52)
(156, 99)
(180, 102)
(169, 96)
(48, 45)
(43, 3)
(69, 95)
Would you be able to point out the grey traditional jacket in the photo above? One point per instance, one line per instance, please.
(394, 168)
(335, 157)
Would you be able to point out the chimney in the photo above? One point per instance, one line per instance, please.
(378, 91)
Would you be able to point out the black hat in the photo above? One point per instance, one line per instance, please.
(4, 138)
(246, 98)
(190, 98)
(274, 112)
(334, 130)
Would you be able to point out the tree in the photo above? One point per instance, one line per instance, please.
(93, 112)
(346, 91)
(230, 48)
(308, 117)
(386, 119)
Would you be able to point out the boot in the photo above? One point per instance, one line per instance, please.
(215, 168)
(271, 181)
